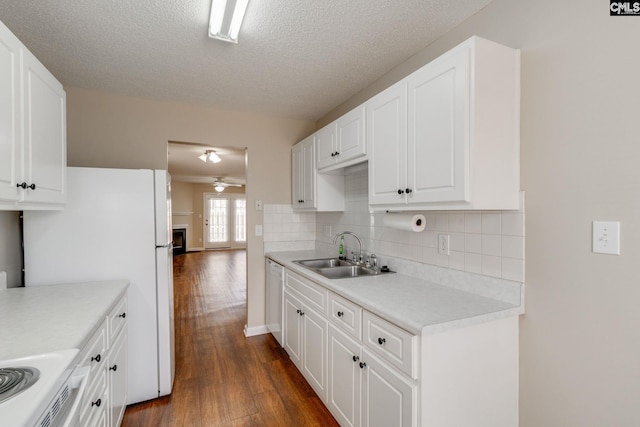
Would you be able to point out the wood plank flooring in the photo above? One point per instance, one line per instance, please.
(223, 378)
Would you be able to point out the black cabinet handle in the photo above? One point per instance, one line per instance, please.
(301, 313)
(408, 190)
(400, 191)
(123, 315)
(114, 368)
(96, 359)
(97, 403)
(356, 358)
(24, 185)
(363, 365)
(340, 314)
(298, 311)
(381, 341)
(337, 153)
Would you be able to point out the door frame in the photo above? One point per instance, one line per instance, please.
(231, 218)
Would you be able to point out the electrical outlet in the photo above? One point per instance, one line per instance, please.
(258, 205)
(443, 244)
(606, 237)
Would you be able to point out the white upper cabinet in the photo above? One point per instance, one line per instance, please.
(342, 143)
(32, 130)
(387, 144)
(447, 136)
(310, 190)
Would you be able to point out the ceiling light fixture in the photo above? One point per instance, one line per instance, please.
(211, 156)
(225, 23)
(219, 188)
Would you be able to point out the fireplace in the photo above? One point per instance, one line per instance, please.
(179, 241)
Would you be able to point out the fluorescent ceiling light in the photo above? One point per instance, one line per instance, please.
(224, 24)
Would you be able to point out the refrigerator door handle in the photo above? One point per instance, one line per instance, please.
(168, 245)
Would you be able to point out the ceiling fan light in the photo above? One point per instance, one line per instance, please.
(203, 157)
(219, 188)
(214, 158)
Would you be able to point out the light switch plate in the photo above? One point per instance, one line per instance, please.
(443, 244)
(606, 237)
(258, 230)
(258, 205)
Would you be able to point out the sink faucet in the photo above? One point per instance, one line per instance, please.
(350, 233)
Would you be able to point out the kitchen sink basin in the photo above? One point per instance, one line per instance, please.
(323, 263)
(334, 268)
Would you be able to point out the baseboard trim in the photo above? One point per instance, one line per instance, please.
(255, 330)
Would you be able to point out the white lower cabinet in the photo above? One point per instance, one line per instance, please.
(372, 373)
(106, 354)
(388, 398)
(306, 340)
(365, 391)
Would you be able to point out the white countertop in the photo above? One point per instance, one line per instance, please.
(43, 319)
(419, 306)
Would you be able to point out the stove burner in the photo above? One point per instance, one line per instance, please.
(14, 380)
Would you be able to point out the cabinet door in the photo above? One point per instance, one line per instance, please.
(326, 147)
(387, 144)
(45, 156)
(118, 379)
(314, 351)
(10, 127)
(388, 399)
(297, 185)
(309, 173)
(438, 130)
(344, 378)
(350, 131)
(293, 329)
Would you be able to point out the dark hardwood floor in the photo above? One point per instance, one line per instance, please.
(223, 378)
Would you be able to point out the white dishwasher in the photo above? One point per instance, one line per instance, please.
(275, 294)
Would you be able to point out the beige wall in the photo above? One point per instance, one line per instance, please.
(580, 352)
(107, 130)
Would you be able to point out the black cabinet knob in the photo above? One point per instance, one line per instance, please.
(123, 315)
(340, 314)
(97, 403)
(355, 358)
(381, 341)
(96, 359)
(24, 185)
(114, 368)
(400, 191)
(363, 365)
(408, 190)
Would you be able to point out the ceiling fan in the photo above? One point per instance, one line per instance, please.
(220, 184)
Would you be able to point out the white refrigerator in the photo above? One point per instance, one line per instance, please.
(116, 225)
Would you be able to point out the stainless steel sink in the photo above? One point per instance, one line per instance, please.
(334, 268)
(323, 263)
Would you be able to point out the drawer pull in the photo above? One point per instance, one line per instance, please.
(123, 315)
(114, 368)
(356, 358)
(340, 314)
(301, 313)
(381, 341)
(96, 359)
(363, 365)
(97, 403)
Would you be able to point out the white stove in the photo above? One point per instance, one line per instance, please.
(51, 394)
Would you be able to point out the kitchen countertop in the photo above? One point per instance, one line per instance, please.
(42, 319)
(419, 306)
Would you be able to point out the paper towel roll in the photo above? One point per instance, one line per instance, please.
(407, 222)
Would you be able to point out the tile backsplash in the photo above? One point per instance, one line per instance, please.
(490, 243)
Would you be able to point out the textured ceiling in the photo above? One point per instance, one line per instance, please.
(295, 58)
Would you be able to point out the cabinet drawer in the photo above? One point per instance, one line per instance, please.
(394, 344)
(313, 295)
(95, 352)
(117, 319)
(346, 315)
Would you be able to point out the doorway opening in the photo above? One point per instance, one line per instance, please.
(225, 221)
